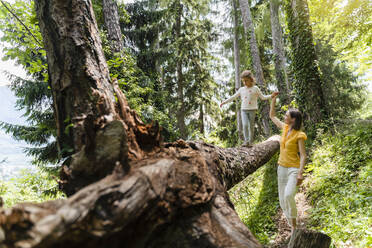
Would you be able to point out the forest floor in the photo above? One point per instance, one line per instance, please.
(284, 230)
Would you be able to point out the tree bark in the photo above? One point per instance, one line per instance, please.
(180, 84)
(111, 18)
(141, 193)
(278, 50)
(239, 124)
(257, 68)
(302, 238)
(201, 119)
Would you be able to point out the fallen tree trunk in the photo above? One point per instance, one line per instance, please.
(126, 188)
(175, 198)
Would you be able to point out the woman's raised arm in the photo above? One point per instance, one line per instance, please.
(275, 119)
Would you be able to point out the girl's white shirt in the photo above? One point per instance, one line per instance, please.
(249, 97)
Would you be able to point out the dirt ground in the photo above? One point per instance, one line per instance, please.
(284, 230)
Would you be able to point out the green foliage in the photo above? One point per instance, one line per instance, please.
(347, 26)
(339, 185)
(365, 112)
(21, 45)
(33, 95)
(190, 52)
(158, 52)
(256, 201)
(340, 86)
(142, 38)
(38, 186)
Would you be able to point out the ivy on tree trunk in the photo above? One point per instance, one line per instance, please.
(307, 82)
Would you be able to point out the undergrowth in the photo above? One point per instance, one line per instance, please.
(339, 186)
(256, 201)
(38, 186)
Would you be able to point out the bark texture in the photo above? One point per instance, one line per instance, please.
(237, 66)
(111, 18)
(279, 55)
(302, 238)
(257, 67)
(130, 190)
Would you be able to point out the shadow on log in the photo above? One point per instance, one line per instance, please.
(303, 238)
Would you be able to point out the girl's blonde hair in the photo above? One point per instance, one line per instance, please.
(248, 74)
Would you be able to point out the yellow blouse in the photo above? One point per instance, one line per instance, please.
(289, 151)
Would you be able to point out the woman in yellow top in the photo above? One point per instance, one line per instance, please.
(291, 160)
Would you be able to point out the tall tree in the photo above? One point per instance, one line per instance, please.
(187, 75)
(111, 17)
(181, 111)
(142, 39)
(257, 68)
(307, 82)
(279, 55)
(173, 196)
(142, 31)
(237, 64)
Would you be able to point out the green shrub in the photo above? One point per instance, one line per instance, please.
(339, 185)
(256, 201)
(36, 186)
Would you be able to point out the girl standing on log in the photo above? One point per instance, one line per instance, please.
(290, 164)
(248, 94)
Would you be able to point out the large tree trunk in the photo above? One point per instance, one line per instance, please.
(91, 132)
(258, 72)
(307, 83)
(111, 17)
(278, 50)
(239, 124)
(142, 193)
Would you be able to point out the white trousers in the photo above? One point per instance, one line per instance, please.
(287, 180)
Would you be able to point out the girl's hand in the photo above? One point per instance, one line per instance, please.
(300, 178)
(274, 94)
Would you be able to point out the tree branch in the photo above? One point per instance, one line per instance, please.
(20, 21)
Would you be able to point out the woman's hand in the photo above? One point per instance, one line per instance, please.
(300, 178)
(274, 94)
(221, 105)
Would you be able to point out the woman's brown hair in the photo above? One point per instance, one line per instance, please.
(297, 115)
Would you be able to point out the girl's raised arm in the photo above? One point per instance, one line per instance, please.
(262, 96)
